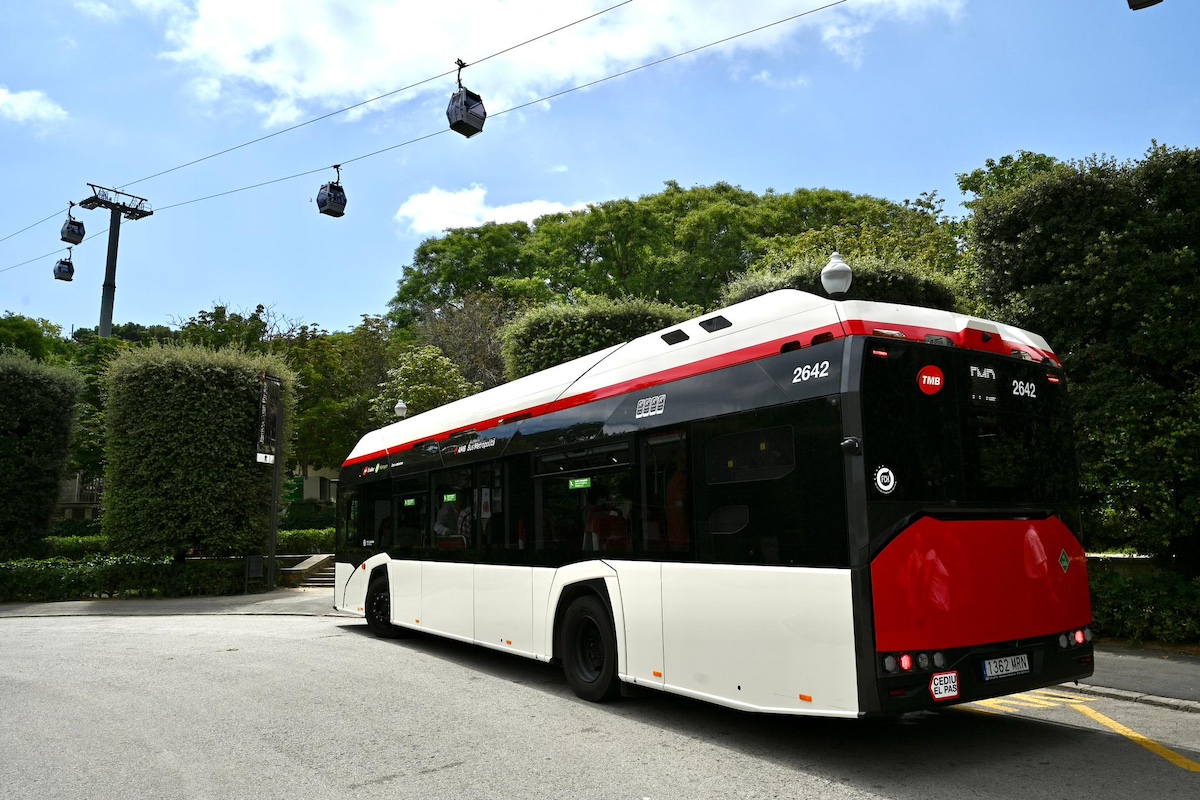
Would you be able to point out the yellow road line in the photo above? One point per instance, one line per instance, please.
(1062, 697)
(1149, 744)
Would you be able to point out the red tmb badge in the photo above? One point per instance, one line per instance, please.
(930, 379)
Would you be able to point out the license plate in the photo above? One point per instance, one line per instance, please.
(944, 685)
(1003, 667)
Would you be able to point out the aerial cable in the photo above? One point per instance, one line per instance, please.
(373, 99)
(346, 161)
(327, 116)
(34, 225)
(374, 153)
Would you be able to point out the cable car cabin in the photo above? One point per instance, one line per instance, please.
(331, 200)
(72, 231)
(64, 270)
(466, 112)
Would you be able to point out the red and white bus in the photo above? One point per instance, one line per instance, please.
(792, 505)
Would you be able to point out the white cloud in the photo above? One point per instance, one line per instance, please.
(291, 59)
(767, 79)
(559, 168)
(29, 106)
(97, 9)
(434, 211)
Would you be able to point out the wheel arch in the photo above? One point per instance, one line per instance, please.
(570, 593)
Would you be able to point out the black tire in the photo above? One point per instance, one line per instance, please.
(588, 649)
(379, 610)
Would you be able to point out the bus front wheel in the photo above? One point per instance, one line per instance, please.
(379, 610)
(588, 647)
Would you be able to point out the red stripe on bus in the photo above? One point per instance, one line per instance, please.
(714, 363)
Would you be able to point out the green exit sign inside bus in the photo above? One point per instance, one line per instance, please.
(579, 483)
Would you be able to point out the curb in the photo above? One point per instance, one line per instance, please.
(1192, 706)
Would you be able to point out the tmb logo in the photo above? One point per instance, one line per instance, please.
(930, 379)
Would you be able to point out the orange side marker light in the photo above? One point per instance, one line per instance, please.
(807, 698)
(657, 674)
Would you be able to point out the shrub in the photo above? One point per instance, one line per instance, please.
(37, 412)
(551, 335)
(75, 547)
(76, 527)
(881, 280)
(1160, 606)
(57, 579)
(182, 432)
(307, 514)
(305, 542)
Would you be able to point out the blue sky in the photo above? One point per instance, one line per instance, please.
(882, 97)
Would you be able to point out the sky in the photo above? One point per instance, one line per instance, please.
(889, 98)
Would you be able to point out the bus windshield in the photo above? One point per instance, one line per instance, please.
(950, 426)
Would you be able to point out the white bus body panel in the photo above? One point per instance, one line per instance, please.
(640, 608)
(758, 638)
(354, 585)
(404, 586)
(341, 576)
(447, 599)
(504, 608)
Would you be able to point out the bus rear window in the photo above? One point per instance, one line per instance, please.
(952, 426)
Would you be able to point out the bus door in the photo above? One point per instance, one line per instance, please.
(666, 490)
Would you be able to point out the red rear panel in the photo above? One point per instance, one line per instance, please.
(942, 584)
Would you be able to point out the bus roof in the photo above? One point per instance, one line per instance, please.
(747, 331)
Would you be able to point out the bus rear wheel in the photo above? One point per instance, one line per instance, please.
(588, 647)
(379, 610)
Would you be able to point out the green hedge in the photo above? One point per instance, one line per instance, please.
(881, 280)
(37, 412)
(305, 542)
(75, 548)
(308, 514)
(553, 334)
(181, 473)
(1159, 606)
(56, 579)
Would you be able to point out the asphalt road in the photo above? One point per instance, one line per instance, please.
(233, 702)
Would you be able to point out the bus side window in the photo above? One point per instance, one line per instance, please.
(666, 495)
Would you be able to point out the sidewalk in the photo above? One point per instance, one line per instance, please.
(1158, 677)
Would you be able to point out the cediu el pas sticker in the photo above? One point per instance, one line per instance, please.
(885, 480)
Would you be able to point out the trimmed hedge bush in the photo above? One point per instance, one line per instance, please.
(37, 412)
(182, 434)
(308, 514)
(304, 542)
(885, 281)
(1162, 606)
(553, 334)
(75, 547)
(56, 579)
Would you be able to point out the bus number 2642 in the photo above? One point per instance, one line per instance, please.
(810, 371)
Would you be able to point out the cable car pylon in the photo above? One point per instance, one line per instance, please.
(120, 204)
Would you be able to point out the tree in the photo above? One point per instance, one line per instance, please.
(338, 374)
(468, 333)
(1101, 257)
(464, 260)
(219, 328)
(22, 333)
(424, 379)
(677, 246)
